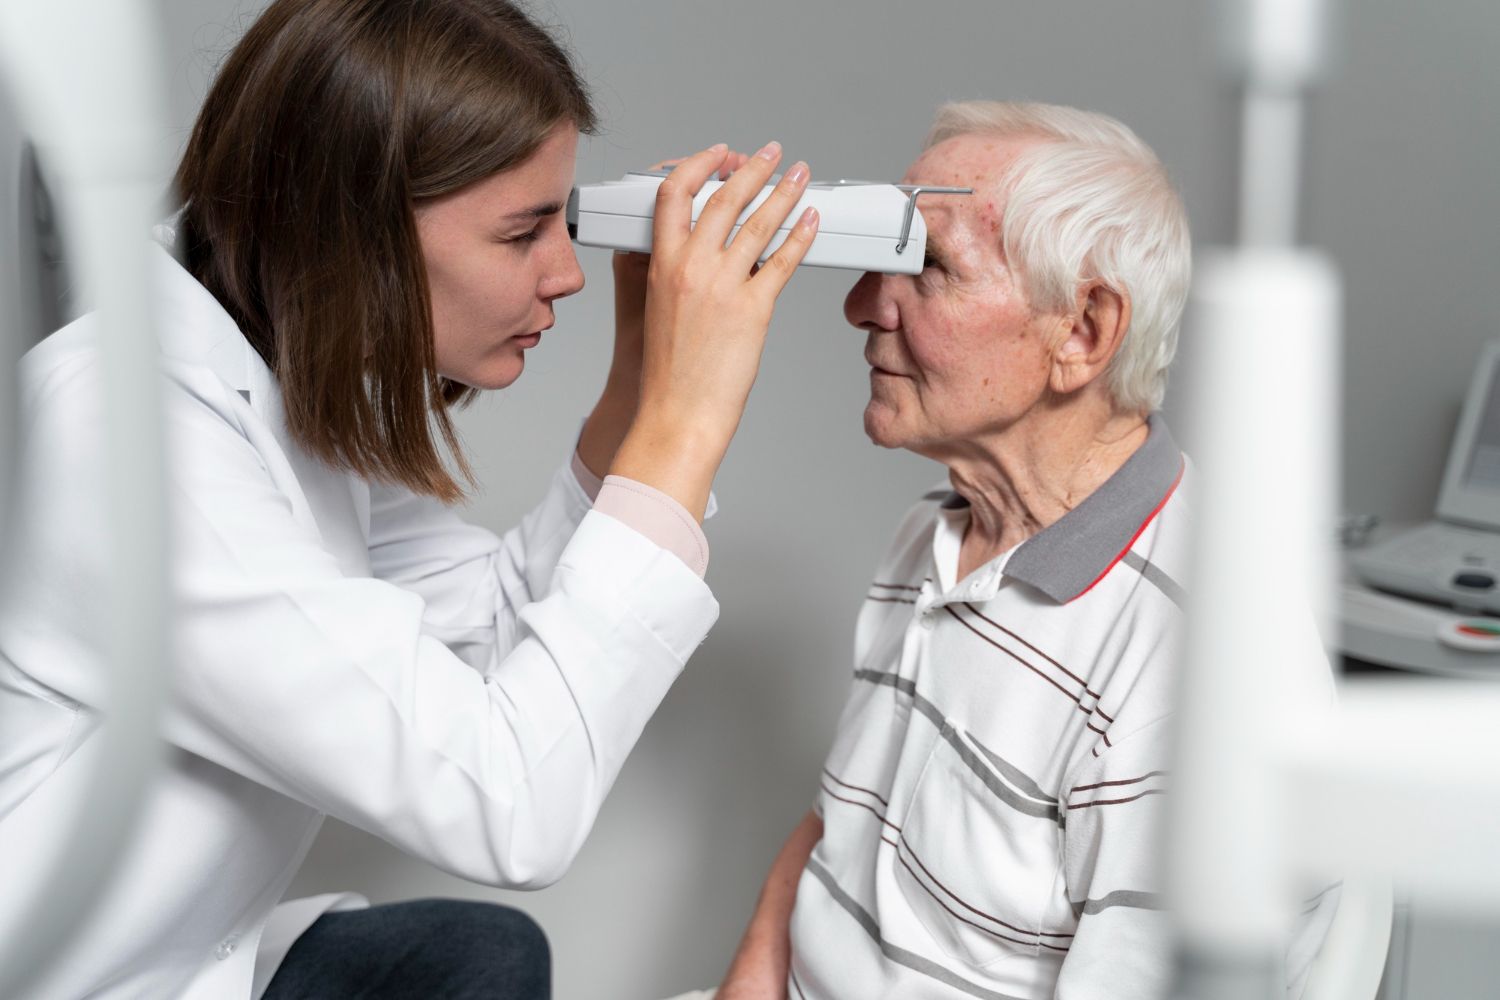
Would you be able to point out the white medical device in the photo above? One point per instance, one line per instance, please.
(863, 225)
(1454, 559)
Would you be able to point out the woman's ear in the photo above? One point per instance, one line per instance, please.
(1092, 334)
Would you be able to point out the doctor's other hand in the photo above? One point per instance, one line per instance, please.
(611, 417)
(630, 270)
(706, 314)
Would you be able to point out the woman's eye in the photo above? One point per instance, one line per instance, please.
(527, 237)
(929, 261)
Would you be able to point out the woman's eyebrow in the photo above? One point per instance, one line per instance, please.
(537, 211)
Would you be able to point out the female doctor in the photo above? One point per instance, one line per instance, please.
(372, 230)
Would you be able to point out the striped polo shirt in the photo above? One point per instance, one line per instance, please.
(992, 806)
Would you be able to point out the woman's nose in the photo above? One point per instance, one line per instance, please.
(869, 305)
(564, 277)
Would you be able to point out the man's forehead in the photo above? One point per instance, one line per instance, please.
(965, 161)
(975, 161)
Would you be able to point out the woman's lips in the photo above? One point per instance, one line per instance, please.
(533, 338)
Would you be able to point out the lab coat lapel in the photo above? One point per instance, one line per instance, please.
(196, 331)
(339, 503)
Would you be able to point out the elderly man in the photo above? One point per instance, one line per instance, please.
(991, 815)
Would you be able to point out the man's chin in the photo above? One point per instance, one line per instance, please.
(879, 429)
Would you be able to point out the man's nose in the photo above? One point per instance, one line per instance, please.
(869, 304)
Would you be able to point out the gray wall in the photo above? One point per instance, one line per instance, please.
(1400, 187)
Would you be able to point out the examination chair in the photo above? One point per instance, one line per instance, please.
(1352, 960)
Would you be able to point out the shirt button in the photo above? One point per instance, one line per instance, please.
(225, 948)
(927, 618)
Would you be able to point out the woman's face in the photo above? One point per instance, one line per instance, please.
(498, 255)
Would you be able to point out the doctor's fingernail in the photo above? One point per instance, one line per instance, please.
(797, 174)
(770, 150)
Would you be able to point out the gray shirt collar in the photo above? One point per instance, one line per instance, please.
(1068, 557)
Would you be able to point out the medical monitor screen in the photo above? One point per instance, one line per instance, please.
(1471, 482)
(1483, 472)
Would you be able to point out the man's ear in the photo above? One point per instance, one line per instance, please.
(1091, 335)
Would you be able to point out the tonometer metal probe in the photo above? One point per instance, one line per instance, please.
(863, 226)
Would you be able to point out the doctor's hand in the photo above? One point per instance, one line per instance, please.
(612, 415)
(630, 271)
(630, 277)
(707, 310)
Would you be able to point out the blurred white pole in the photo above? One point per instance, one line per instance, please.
(88, 78)
(1271, 137)
(1277, 49)
(1266, 320)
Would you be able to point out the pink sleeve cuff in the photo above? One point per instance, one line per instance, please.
(655, 515)
(590, 482)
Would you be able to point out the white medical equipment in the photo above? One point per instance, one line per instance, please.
(1416, 636)
(1455, 558)
(863, 225)
(86, 80)
(1235, 873)
(1399, 783)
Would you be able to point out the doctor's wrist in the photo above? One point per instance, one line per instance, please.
(675, 456)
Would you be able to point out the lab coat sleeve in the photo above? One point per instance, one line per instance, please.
(334, 690)
(472, 584)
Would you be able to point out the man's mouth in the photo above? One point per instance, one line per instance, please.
(880, 369)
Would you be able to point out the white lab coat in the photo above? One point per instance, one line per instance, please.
(343, 648)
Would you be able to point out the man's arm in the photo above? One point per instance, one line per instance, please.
(1112, 858)
(759, 969)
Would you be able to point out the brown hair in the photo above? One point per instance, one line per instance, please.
(328, 122)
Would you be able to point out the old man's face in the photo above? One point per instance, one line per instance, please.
(956, 353)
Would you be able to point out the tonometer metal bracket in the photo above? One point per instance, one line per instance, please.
(863, 225)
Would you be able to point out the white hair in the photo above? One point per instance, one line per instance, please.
(1090, 202)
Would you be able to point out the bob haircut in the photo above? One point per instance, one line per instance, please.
(327, 124)
(1090, 201)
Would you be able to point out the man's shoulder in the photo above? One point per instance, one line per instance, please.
(1160, 556)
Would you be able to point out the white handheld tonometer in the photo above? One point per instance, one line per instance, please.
(864, 225)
